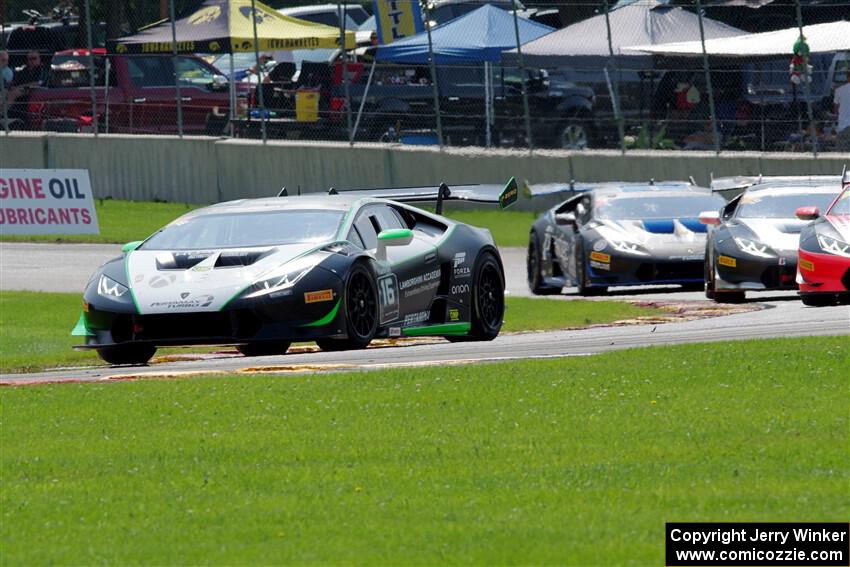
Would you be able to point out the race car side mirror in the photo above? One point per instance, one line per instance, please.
(710, 218)
(393, 237)
(807, 213)
(130, 246)
(565, 219)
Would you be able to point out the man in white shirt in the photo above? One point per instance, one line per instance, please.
(842, 108)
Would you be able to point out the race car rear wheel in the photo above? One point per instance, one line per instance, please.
(361, 311)
(534, 266)
(127, 354)
(488, 298)
(264, 349)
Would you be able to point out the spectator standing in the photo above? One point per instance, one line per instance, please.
(33, 74)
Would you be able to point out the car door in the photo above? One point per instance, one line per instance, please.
(567, 238)
(197, 80)
(409, 277)
(152, 103)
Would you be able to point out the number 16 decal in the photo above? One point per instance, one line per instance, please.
(388, 292)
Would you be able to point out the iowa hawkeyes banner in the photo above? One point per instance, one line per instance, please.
(397, 19)
(226, 26)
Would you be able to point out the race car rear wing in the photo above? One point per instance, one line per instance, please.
(731, 187)
(549, 189)
(484, 193)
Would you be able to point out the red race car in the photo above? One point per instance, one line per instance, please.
(823, 266)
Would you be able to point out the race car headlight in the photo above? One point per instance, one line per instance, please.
(628, 247)
(108, 287)
(832, 245)
(753, 247)
(278, 282)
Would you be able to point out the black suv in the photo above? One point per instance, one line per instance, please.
(400, 103)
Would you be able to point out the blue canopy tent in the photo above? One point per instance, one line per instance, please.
(477, 37)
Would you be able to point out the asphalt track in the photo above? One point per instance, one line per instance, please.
(49, 267)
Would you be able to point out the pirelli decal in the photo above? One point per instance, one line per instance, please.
(727, 261)
(806, 265)
(319, 296)
(600, 257)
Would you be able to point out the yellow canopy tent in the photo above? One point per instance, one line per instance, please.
(226, 26)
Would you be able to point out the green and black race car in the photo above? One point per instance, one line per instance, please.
(338, 269)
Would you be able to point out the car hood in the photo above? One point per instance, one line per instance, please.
(201, 280)
(779, 234)
(681, 237)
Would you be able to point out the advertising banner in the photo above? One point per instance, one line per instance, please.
(46, 201)
(397, 19)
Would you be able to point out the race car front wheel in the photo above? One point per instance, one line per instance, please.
(708, 274)
(361, 311)
(534, 268)
(127, 354)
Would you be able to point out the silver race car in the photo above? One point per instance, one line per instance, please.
(753, 242)
(608, 234)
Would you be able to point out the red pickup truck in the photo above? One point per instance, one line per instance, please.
(141, 97)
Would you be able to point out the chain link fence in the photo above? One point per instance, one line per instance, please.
(717, 75)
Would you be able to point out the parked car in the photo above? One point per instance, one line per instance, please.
(136, 94)
(47, 34)
(753, 242)
(400, 102)
(823, 264)
(619, 233)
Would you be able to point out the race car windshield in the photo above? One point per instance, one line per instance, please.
(781, 206)
(244, 230)
(657, 207)
(842, 205)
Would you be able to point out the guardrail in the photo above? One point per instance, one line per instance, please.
(207, 170)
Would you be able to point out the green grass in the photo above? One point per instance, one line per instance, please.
(119, 221)
(35, 327)
(509, 228)
(530, 314)
(576, 461)
(124, 221)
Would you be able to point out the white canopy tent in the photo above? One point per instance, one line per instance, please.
(821, 38)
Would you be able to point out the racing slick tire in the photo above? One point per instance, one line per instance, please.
(582, 283)
(127, 354)
(818, 300)
(534, 262)
(264, 349)
(488, 298)
(729, 296)
(360, 309)
(708, 274)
